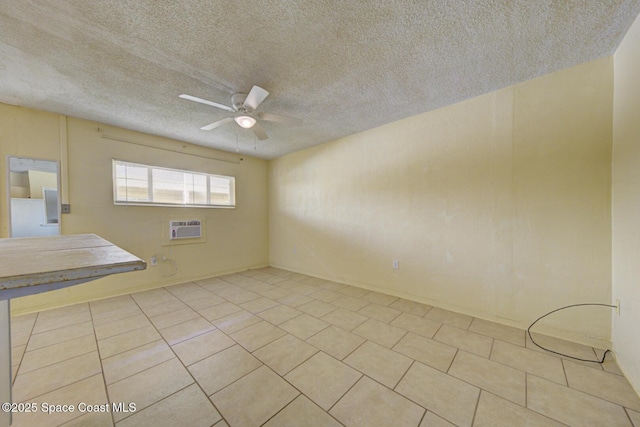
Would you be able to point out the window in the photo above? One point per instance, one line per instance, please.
(137, 184)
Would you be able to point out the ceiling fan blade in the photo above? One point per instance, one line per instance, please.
(290, 121)
(259, 131)
(216, 124)
(204, 101)
(255, 97)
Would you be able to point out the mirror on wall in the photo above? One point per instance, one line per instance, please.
(33, 193)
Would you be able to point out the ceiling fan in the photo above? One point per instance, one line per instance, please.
(243, 107)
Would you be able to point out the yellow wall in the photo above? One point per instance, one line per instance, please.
(38, 179)
(19, 185)
(24, 133)
(626, 204)
(498, 207)
(236, 239)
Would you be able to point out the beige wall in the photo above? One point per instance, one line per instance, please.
(626, 204)
(497, 207)
(236, 239)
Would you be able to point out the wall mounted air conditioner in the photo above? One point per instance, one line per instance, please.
(185, 229)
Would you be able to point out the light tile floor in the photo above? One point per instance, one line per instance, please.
(275, 348)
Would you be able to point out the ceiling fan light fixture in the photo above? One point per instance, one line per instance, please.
(245, 121)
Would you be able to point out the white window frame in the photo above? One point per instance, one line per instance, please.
(150, 202)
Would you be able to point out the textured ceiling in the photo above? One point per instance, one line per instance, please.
(342, 66)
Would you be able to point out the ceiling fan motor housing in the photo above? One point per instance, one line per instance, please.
(237, 101)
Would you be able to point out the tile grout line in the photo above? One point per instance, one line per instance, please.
(13, 380)
(493, 342)
(122, 379)
(564, 370)
(480, 388)
(475, 410)
(351, 352)
(560, 359)
(626, 411)
(63, 386)
(60, 361)
(423, 417)
(526, 390)
(191, 374)
(57, 342)
(104, 380)
(348, 390)
(296, 366)
(452, 360)
(402, 377)
(413, 401)
(300, 393)
(185, 368)
(66, 385)
(577, 391)
(120, 333)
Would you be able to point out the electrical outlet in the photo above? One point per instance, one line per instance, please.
(154, 260)
(618, 307)
(396, 264)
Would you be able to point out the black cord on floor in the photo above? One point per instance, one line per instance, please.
(566, 355)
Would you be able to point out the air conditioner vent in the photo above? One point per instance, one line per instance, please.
(185, 229)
